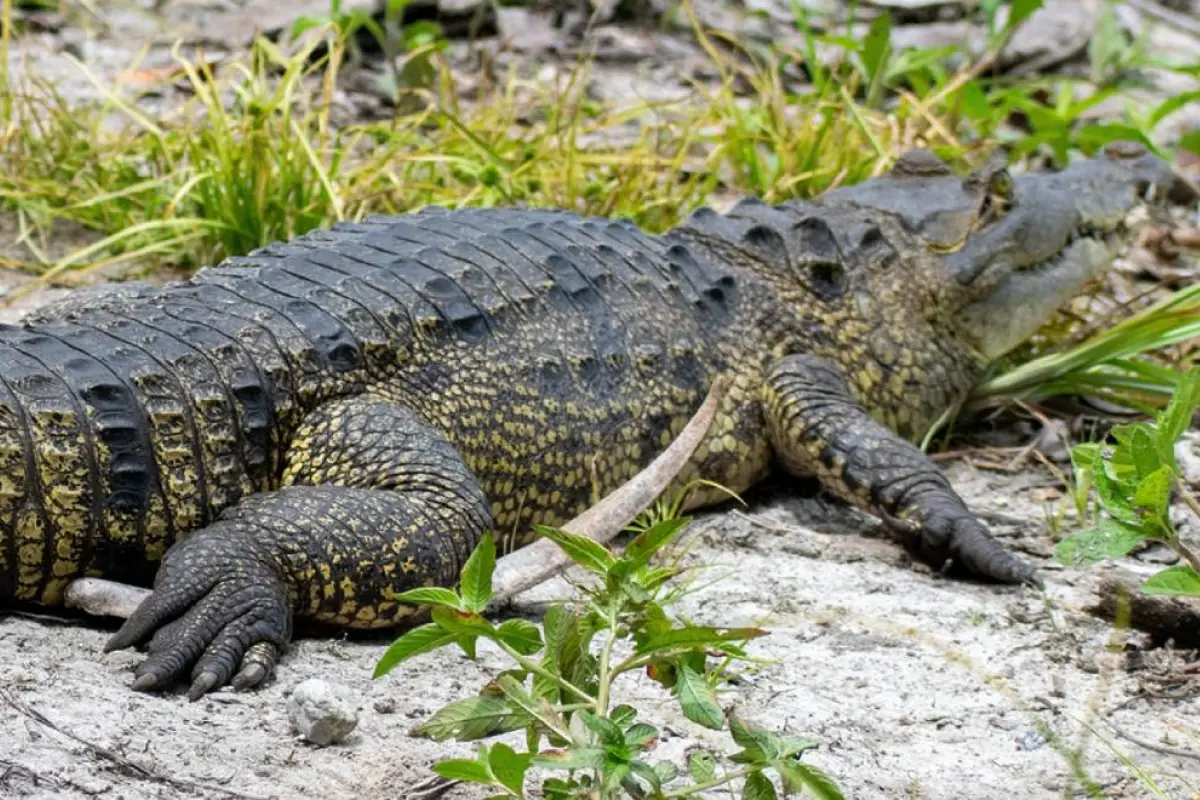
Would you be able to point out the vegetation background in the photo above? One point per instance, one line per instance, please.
(141, 140)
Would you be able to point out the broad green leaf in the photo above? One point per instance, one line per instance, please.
(430, 596)
(1095, 136)
(793, 746)
(1179, 580)
(1115, 496)
(663, 673)
(655, 622)
(974, 102)
(306, 22)
(588, 554)
(558, 789)
(623, 715)
(1086, 456)
(568, 636)
(797, 777)
(641, 736)
(758, 787)
(463, 769)
(536, 709)
(615, 774)
(877, 47)
(521, 635)
(666, 771)
(1021, 10)
(476, 580)
(422, 33)
(416, 641)
(609, 733)
(509, 767)
(702, 766)
(1120, 464)
(698, 700)
(1191, 142)
(647, 773)
(990, 7)
(1110, 539)
(760, 746)
(473, 718)
(1154, 492)
(555, 622)
(468, 642)
(697, 636)
(575, 758)
(462, 622)
(1177, 417)
(1144, 451)
(647, 543)
(657, 576)
(749, 739)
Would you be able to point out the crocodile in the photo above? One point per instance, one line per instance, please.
(303, 432)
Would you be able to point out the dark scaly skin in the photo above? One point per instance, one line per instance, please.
(309, 430)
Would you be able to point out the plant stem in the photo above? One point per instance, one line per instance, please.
(1193, 505)
(536, 669)
(728, 777)
(606, 674)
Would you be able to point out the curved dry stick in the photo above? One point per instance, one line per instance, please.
(104, 598)
(517, 571)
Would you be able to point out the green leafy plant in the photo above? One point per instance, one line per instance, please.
(413, 44)
(1133, 479)
(560, 691)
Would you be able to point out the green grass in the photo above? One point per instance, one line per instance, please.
(1110, 363)
(212, 180)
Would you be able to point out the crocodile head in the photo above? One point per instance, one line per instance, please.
(914, 281)
(1013, 249)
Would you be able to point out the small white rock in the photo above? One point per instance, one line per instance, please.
(324, 713)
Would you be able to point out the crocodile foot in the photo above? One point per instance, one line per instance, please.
(952, 539)
(227, 619)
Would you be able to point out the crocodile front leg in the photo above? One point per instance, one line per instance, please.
(377, 502)
(817, 428)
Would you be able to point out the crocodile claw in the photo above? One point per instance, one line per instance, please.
(960, 543)
(221, 619)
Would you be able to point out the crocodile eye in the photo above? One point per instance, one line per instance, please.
(1001, 184)
(999, 197)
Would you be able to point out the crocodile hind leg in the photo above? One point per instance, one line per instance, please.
(375, 501)
(817, 428)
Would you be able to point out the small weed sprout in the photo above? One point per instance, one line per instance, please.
(1133, 480)
(560, 688)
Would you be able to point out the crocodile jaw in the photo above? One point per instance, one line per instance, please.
(1025, 299)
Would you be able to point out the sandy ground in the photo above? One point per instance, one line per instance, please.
(917, 686)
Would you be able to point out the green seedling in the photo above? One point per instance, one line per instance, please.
(1133, 479)
(579, 742)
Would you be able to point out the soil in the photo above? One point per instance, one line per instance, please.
(916, 685)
